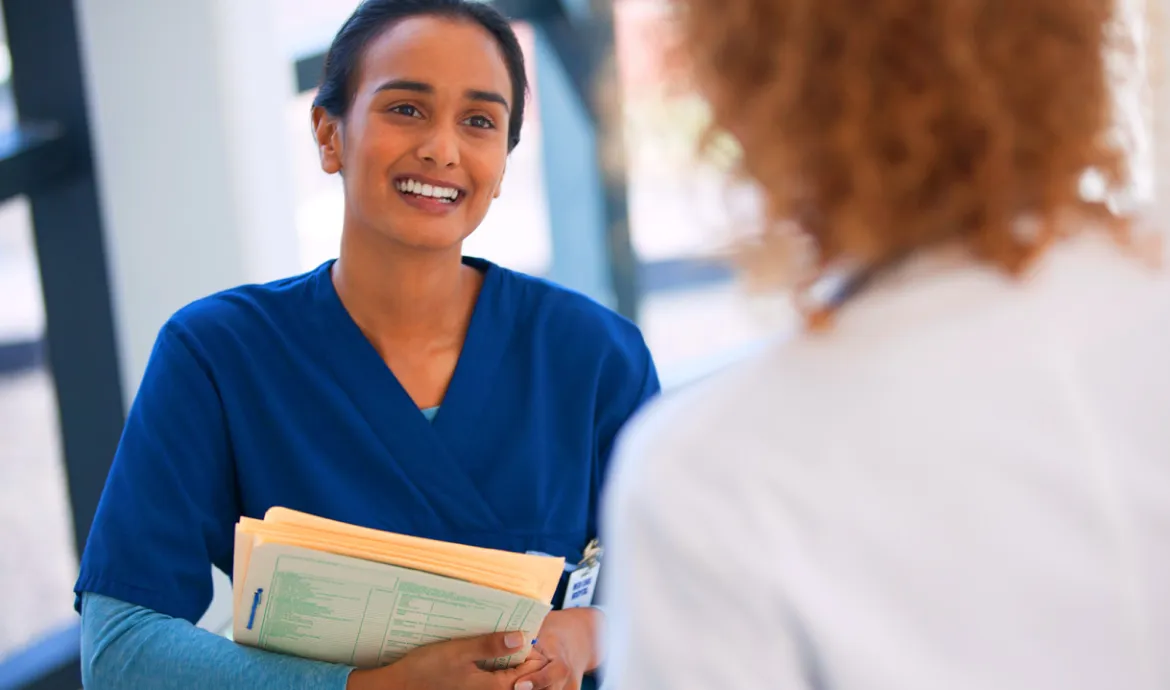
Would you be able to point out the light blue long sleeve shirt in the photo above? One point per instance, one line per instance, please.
(128, 646)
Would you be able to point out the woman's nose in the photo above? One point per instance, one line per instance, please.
(441, 148)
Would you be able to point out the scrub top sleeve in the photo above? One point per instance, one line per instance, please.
(169, 508)
(643, 387)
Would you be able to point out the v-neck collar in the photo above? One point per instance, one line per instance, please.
(482, 346)
(425, 445)
(486, 341)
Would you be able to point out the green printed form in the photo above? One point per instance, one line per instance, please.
(425, 615)
(365, 614)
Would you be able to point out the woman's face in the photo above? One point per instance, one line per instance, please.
(423, 148)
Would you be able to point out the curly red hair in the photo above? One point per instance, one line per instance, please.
(877, 127)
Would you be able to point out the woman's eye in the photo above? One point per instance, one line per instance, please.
(407, 110)
(480, 121)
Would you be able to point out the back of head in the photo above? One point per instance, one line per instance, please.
(879, 127)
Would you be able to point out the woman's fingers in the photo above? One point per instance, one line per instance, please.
(510, 677)
(556, 675)
(527, 668)
(485, 648)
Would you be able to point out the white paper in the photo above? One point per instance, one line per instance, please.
(350, 611)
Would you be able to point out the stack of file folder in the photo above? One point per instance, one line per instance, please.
(330, 591)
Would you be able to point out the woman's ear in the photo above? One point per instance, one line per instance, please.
(327, 132)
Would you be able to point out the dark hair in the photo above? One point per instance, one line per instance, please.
(373, 17)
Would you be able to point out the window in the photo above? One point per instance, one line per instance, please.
(684, 211)
(37, 559)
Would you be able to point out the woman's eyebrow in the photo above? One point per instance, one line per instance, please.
(423, 87)
(489, 96)
(405, 85)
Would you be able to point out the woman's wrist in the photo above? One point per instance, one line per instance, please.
(357, 681)
(369, 679)
(595, 628)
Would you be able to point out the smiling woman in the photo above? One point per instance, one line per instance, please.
(402, 386)
(421, 106)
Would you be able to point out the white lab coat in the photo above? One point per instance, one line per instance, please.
(964, 485)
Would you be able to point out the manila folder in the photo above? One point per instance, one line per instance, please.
(364, 614)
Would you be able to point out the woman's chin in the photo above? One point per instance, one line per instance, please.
(409, 231)
(437, 241)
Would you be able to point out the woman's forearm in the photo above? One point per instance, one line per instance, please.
(128, 646)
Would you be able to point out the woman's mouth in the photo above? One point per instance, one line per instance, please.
(428, 196)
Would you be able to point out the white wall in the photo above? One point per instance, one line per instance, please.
(187, 103)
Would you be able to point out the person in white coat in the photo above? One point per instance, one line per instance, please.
(958, 476)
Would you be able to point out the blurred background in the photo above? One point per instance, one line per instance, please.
(153, 152)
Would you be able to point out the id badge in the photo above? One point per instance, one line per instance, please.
(583, 581)
(582, 584)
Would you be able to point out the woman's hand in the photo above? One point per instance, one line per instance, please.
(567, 648)
(449, 666)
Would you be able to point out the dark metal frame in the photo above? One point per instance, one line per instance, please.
(32, 157)
(583, 38)
(48, 160)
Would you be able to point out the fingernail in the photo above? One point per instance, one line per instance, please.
(515, 640)
(524, 686)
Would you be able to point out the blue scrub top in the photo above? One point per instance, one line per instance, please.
(270, 395)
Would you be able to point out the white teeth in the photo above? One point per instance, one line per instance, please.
(447, 194)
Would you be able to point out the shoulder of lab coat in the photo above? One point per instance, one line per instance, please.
(803, 515)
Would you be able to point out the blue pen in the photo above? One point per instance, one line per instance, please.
(255, 605)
